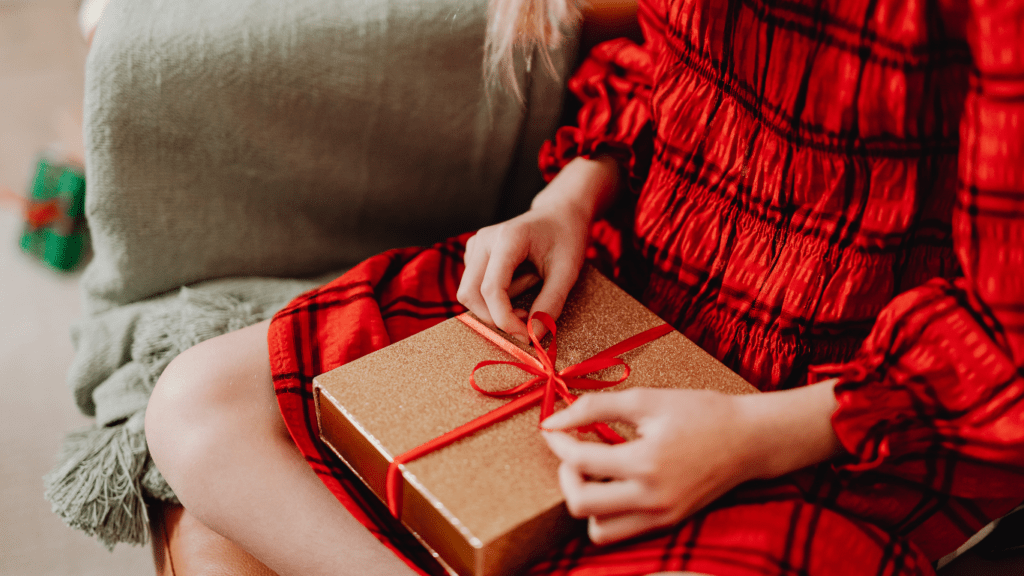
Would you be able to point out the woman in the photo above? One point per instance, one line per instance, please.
(795, 186)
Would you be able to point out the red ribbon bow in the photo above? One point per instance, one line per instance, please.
(555, 383)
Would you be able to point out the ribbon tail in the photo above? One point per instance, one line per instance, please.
(483, 330)
(636, 341)
(547, 407)
(605, 432)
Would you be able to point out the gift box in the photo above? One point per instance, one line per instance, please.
(55, 229)
(489, 503)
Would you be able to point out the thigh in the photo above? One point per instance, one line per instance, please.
(764, 530)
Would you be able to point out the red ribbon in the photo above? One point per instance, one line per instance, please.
(546, 384)
(40, 213)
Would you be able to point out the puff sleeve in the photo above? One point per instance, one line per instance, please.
(614, 86)
(937, 389)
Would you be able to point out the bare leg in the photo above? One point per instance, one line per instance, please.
(217, 436)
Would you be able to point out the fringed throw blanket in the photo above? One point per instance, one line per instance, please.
(105, 472)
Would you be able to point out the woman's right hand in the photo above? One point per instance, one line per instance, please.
(552, 236)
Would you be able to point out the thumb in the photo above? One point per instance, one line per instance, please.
(553, 293)
(596, 407)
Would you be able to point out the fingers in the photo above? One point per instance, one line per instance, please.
(590, 458)
(558, 281)
(625, 406)
(619, 504)
(505, 257)
(493, 255)
(595, 478)
(586, 497)
(608, 529)
(476, 260)
(487, 285)
(468, 294)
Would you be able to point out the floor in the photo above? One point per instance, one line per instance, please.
(42, 57)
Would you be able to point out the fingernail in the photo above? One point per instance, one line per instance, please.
(521, 338)
(521, 314)
(551, 423)
(539, 329)
(550, 435)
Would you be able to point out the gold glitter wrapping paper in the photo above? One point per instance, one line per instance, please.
(489, 504)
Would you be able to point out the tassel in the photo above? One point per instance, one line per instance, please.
(95, 488)
(103, 473)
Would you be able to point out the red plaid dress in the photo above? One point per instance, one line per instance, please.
(837, 182)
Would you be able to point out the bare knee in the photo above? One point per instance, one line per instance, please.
(207, 397)
(183, 403)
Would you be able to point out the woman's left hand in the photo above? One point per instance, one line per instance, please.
(689, 452)
(693, 446)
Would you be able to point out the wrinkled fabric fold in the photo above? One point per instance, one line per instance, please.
(942, 368)
(614, 85)
(806, 206)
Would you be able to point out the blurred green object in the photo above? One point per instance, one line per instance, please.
(55, 229)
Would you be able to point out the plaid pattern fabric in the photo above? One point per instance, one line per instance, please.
(835, 182)
(364, 310)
